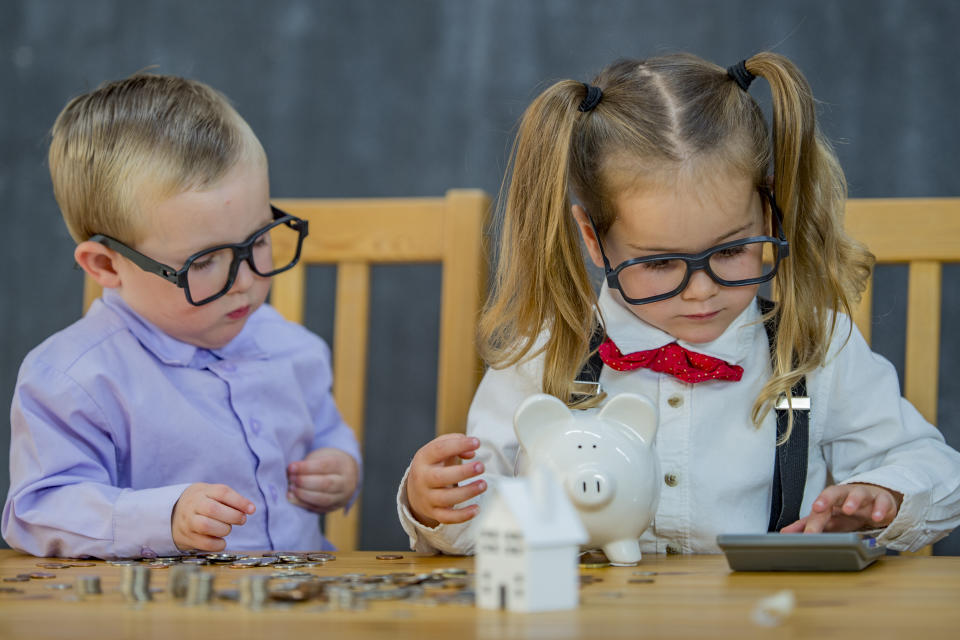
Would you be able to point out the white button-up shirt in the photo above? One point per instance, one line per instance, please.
(717, 465)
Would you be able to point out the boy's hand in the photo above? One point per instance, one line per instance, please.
(205, 514)
(435, 472)
(323, 481)
(849, 507)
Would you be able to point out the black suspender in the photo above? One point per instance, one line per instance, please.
(790, 464)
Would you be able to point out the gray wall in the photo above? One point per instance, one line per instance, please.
(413, 97)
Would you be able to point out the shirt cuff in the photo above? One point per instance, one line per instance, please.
(141, 522)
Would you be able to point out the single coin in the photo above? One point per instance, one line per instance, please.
(20, 578)
(59, 586)
(640, 580)
(10, 590)
(42, 575)
(53, 565)
(644, 573)
(320, 556)
(389, 556)
(83, 564)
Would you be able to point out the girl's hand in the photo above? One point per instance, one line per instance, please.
(849, 507)
(435, 472)
(324, 481)
(205, 514)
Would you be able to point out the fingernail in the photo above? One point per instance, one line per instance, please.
(482, 485)
(475, 442)
(478, 467)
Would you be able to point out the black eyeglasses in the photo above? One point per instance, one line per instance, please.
(209, 274)
(737, 263)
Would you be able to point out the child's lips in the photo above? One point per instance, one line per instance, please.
(236, 314)
(701, 316)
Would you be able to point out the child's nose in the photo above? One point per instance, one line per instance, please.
(245, 277)
(700, 287)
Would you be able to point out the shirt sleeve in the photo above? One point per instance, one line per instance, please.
(490, 419)
(873, 435)
(63, 498)
(330, 430)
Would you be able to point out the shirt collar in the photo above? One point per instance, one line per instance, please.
(175, 352)
(630, 333)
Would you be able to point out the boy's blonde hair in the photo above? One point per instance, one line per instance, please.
(136, 141)
(668, 114)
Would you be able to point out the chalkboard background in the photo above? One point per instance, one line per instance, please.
(413, 97)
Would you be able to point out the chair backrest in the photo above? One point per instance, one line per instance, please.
(355, 233)
(923, 233)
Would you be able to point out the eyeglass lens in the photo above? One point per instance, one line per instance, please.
(733, 264)
(209, 273)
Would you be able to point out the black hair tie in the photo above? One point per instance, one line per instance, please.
(594, 94)
(740, 74)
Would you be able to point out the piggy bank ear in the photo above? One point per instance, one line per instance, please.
(636, 412)
(537, 415)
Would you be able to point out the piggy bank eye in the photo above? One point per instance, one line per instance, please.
(579, 446)
(594, 446)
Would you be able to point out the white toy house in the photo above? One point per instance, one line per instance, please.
(528, 546)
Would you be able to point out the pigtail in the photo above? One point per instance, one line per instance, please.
(542, 300)
(827, 270)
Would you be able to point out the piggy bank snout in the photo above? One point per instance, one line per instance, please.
(590, 488)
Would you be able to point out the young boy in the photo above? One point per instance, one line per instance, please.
(181, 412)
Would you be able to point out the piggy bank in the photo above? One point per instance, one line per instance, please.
(605, 460)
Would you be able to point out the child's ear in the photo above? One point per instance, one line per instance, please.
(99, 262)
(588, 234)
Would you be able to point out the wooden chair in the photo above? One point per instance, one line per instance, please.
(355, 233)
(923, 233)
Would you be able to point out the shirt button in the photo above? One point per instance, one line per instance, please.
(671, 479)
(255, 427)
(273, 492)
(673, 549)
(229, 368)
(675, 401)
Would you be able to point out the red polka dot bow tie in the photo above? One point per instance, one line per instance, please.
(679, 362)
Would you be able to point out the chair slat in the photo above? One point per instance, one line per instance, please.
(460, 307)
(907, 229)
(351, 325)
(863, 312)
(921, 367)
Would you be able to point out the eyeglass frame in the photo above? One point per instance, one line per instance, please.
(698, 261)
(242, 251)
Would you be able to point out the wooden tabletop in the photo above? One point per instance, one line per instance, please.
(663, 597)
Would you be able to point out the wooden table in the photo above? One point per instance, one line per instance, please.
(689, 596)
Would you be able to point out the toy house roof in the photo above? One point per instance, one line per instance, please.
(541, 509)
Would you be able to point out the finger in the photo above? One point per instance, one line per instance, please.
(318, 499)
(832, 496)
(816, 522)
(447, 446)
(884, 508)
(221, 512)
(322, 483)
(455, 516)
(857, 497)
(446, 498)
(795, 527)
(224, 494)
(318, 464)
(206, 543)
(207, 526)
(436, 477)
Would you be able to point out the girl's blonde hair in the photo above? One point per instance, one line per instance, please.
(129, 143)
(662, 114)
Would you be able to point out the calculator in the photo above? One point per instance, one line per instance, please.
(799, 551)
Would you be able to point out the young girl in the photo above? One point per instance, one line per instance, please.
(661, 168)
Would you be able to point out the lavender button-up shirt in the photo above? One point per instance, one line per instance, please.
(112, 419)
